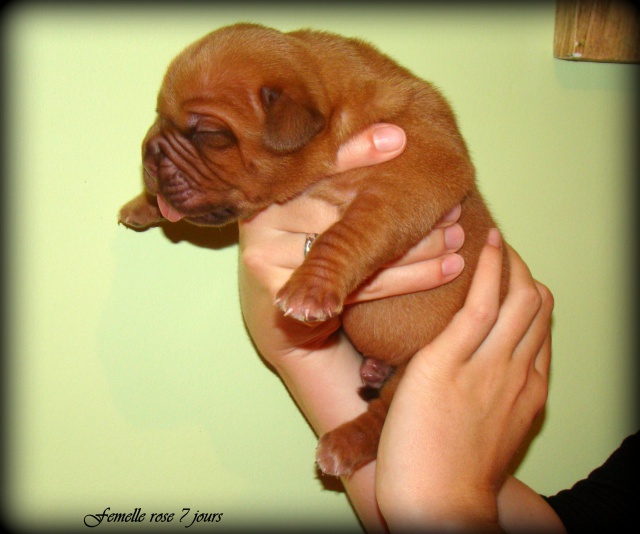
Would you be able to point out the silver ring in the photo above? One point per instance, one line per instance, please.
(308, 242)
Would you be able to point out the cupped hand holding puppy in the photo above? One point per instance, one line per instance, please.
(317, 364)
(321, 368)
(463, 408)
(272, 244)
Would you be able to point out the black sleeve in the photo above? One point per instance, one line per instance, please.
(608, 500)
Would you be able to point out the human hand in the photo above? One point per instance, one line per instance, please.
(466, 403)
(271, 245)
(317, 364)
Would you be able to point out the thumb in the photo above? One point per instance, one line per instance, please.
(376, 144)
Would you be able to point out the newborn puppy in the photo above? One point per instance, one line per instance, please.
(249, 116)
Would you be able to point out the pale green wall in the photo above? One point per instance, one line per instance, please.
(132, 382)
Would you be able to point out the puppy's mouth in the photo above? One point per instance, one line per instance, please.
(217, 217)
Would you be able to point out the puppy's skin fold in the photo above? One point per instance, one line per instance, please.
(248, 116)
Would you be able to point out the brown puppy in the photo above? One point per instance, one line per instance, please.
(249, 116)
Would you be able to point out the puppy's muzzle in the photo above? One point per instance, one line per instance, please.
(165, 180)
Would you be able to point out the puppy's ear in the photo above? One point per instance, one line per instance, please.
(289, 124)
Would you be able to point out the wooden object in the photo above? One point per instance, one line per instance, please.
(597, 30)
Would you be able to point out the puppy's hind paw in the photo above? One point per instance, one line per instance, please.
(343, 450)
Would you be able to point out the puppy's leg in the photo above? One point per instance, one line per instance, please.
(393, 209)
(141, 212)
(352, 250)
(355, 443)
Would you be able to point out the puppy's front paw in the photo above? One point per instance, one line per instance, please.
(140, 213)
(309, 299)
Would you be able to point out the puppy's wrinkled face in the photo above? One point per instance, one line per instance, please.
(235, 112)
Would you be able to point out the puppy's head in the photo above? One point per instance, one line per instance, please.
(236, 115)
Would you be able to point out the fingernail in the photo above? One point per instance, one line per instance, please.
(494, 238)
(453, 237)
(388, 138)
(452, 264)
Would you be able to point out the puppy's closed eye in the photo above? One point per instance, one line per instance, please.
(214, 139)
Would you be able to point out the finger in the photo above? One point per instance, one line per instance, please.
(411, 278)
(472, 323)
(286, 249)
(376, 144)
(483, 300)
(542, 363)
(438, 243)
(521, 306)
(529, 362)
(543, 360)
(538, 334)
(535, 389)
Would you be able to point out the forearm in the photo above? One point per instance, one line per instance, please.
(516, 508)
(316, 397)
(441, 509)
(323, 382)
(328, 400)
(360, 487)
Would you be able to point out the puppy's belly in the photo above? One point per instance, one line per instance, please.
(394, 329)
